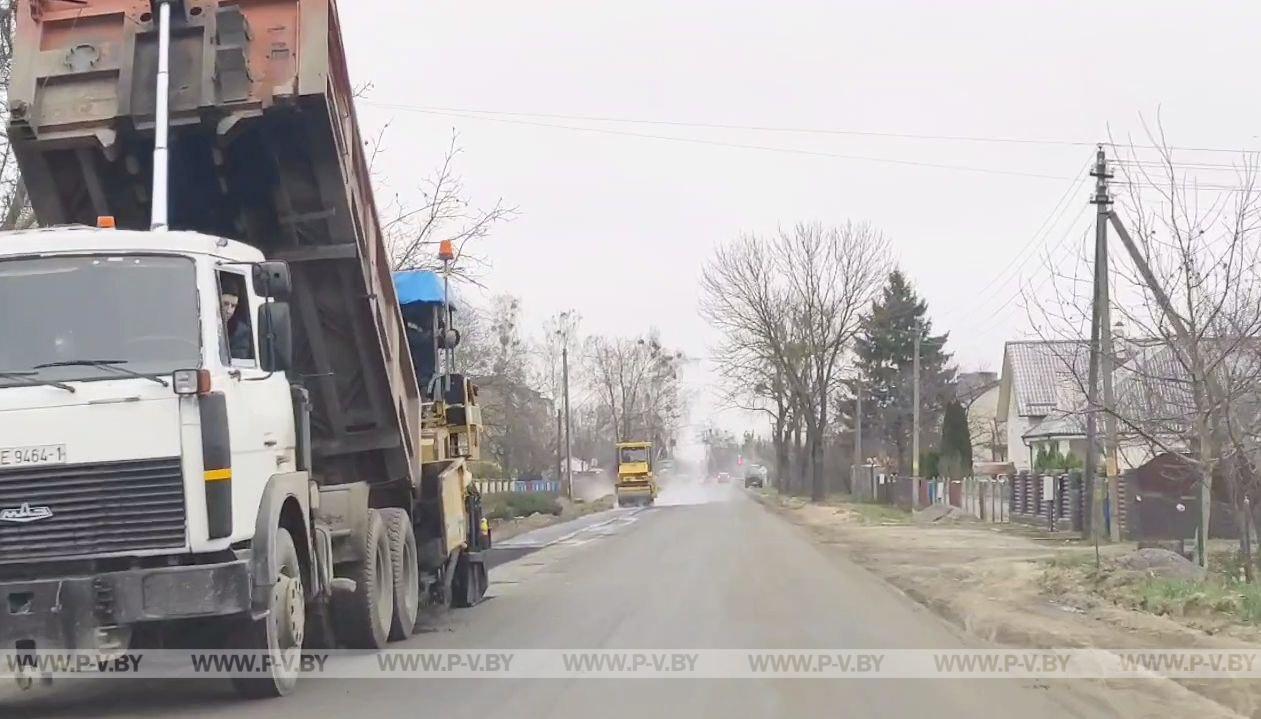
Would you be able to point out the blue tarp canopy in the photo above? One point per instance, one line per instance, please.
(419, 286)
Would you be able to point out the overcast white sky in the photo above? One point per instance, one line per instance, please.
(618, 226)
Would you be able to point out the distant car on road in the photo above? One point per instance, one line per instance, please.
(723, 478)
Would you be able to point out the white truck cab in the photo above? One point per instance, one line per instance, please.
(118, 382)
(172, 452)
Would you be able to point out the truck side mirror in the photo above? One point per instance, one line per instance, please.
(275, 337)
(272, 279)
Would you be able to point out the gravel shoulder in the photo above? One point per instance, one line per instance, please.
(1018, 586)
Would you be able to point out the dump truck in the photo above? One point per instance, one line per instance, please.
(218, 415)
(636, 484)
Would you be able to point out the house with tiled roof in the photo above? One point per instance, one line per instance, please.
(1040, 399)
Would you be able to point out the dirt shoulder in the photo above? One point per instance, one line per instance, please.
(1018, 586)
(507, 528)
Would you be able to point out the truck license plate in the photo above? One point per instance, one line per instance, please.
(32, 456)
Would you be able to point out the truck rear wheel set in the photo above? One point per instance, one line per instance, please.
(362, 617)
(383, 607)
(405, 570)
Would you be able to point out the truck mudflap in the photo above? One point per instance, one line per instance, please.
(67, 612)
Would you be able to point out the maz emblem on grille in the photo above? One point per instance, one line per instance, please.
(25, 513)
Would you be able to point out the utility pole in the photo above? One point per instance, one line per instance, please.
(560, 447)
(858, 430)
(1100, 200)
(915, 404)
(564, 363)
(569, 457)
(1107, 360)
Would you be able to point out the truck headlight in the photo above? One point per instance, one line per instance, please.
(191, 381)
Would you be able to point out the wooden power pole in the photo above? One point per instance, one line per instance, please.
(858, 438)
(915, 405)
(1107, 358)
(1095, 487)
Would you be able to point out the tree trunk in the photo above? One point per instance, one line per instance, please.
(817, 490)
(1245, 539)
(1255, 524)
(781, 454)
(799, 462)
(16, 203)
(803, 466)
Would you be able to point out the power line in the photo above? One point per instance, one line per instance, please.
(1177, 164)
(1009, 304)
(742, 146)
(1004, 277)
(437, 109)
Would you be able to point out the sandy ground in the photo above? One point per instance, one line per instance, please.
(989, 580)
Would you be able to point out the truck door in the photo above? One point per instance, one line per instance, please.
(259, 408)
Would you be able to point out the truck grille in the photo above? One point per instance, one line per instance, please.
(97, 509)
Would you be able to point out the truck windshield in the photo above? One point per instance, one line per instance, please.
(634, 454)
(91, 314)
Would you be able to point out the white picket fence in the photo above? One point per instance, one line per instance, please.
(503, 486)
(986, 498)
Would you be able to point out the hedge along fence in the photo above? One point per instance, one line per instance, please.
(509, 505)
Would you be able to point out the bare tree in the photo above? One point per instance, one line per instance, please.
(517, 413)
(414, 231)
(758, 387)
(637, 381)
(988, 438)
(559, 333)
(793, 302)
(15, 207)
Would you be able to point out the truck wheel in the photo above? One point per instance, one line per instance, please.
(363, 617)
(281, 632)
(405, 571)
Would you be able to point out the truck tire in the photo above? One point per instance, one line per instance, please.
(405, 570)
(281, 632)
(363, 617)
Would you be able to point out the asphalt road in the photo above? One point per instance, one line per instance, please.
(707, 568)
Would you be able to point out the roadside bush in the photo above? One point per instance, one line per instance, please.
(1250, 603)
(1182, 598)
(1219, 596)
(1185, 598)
